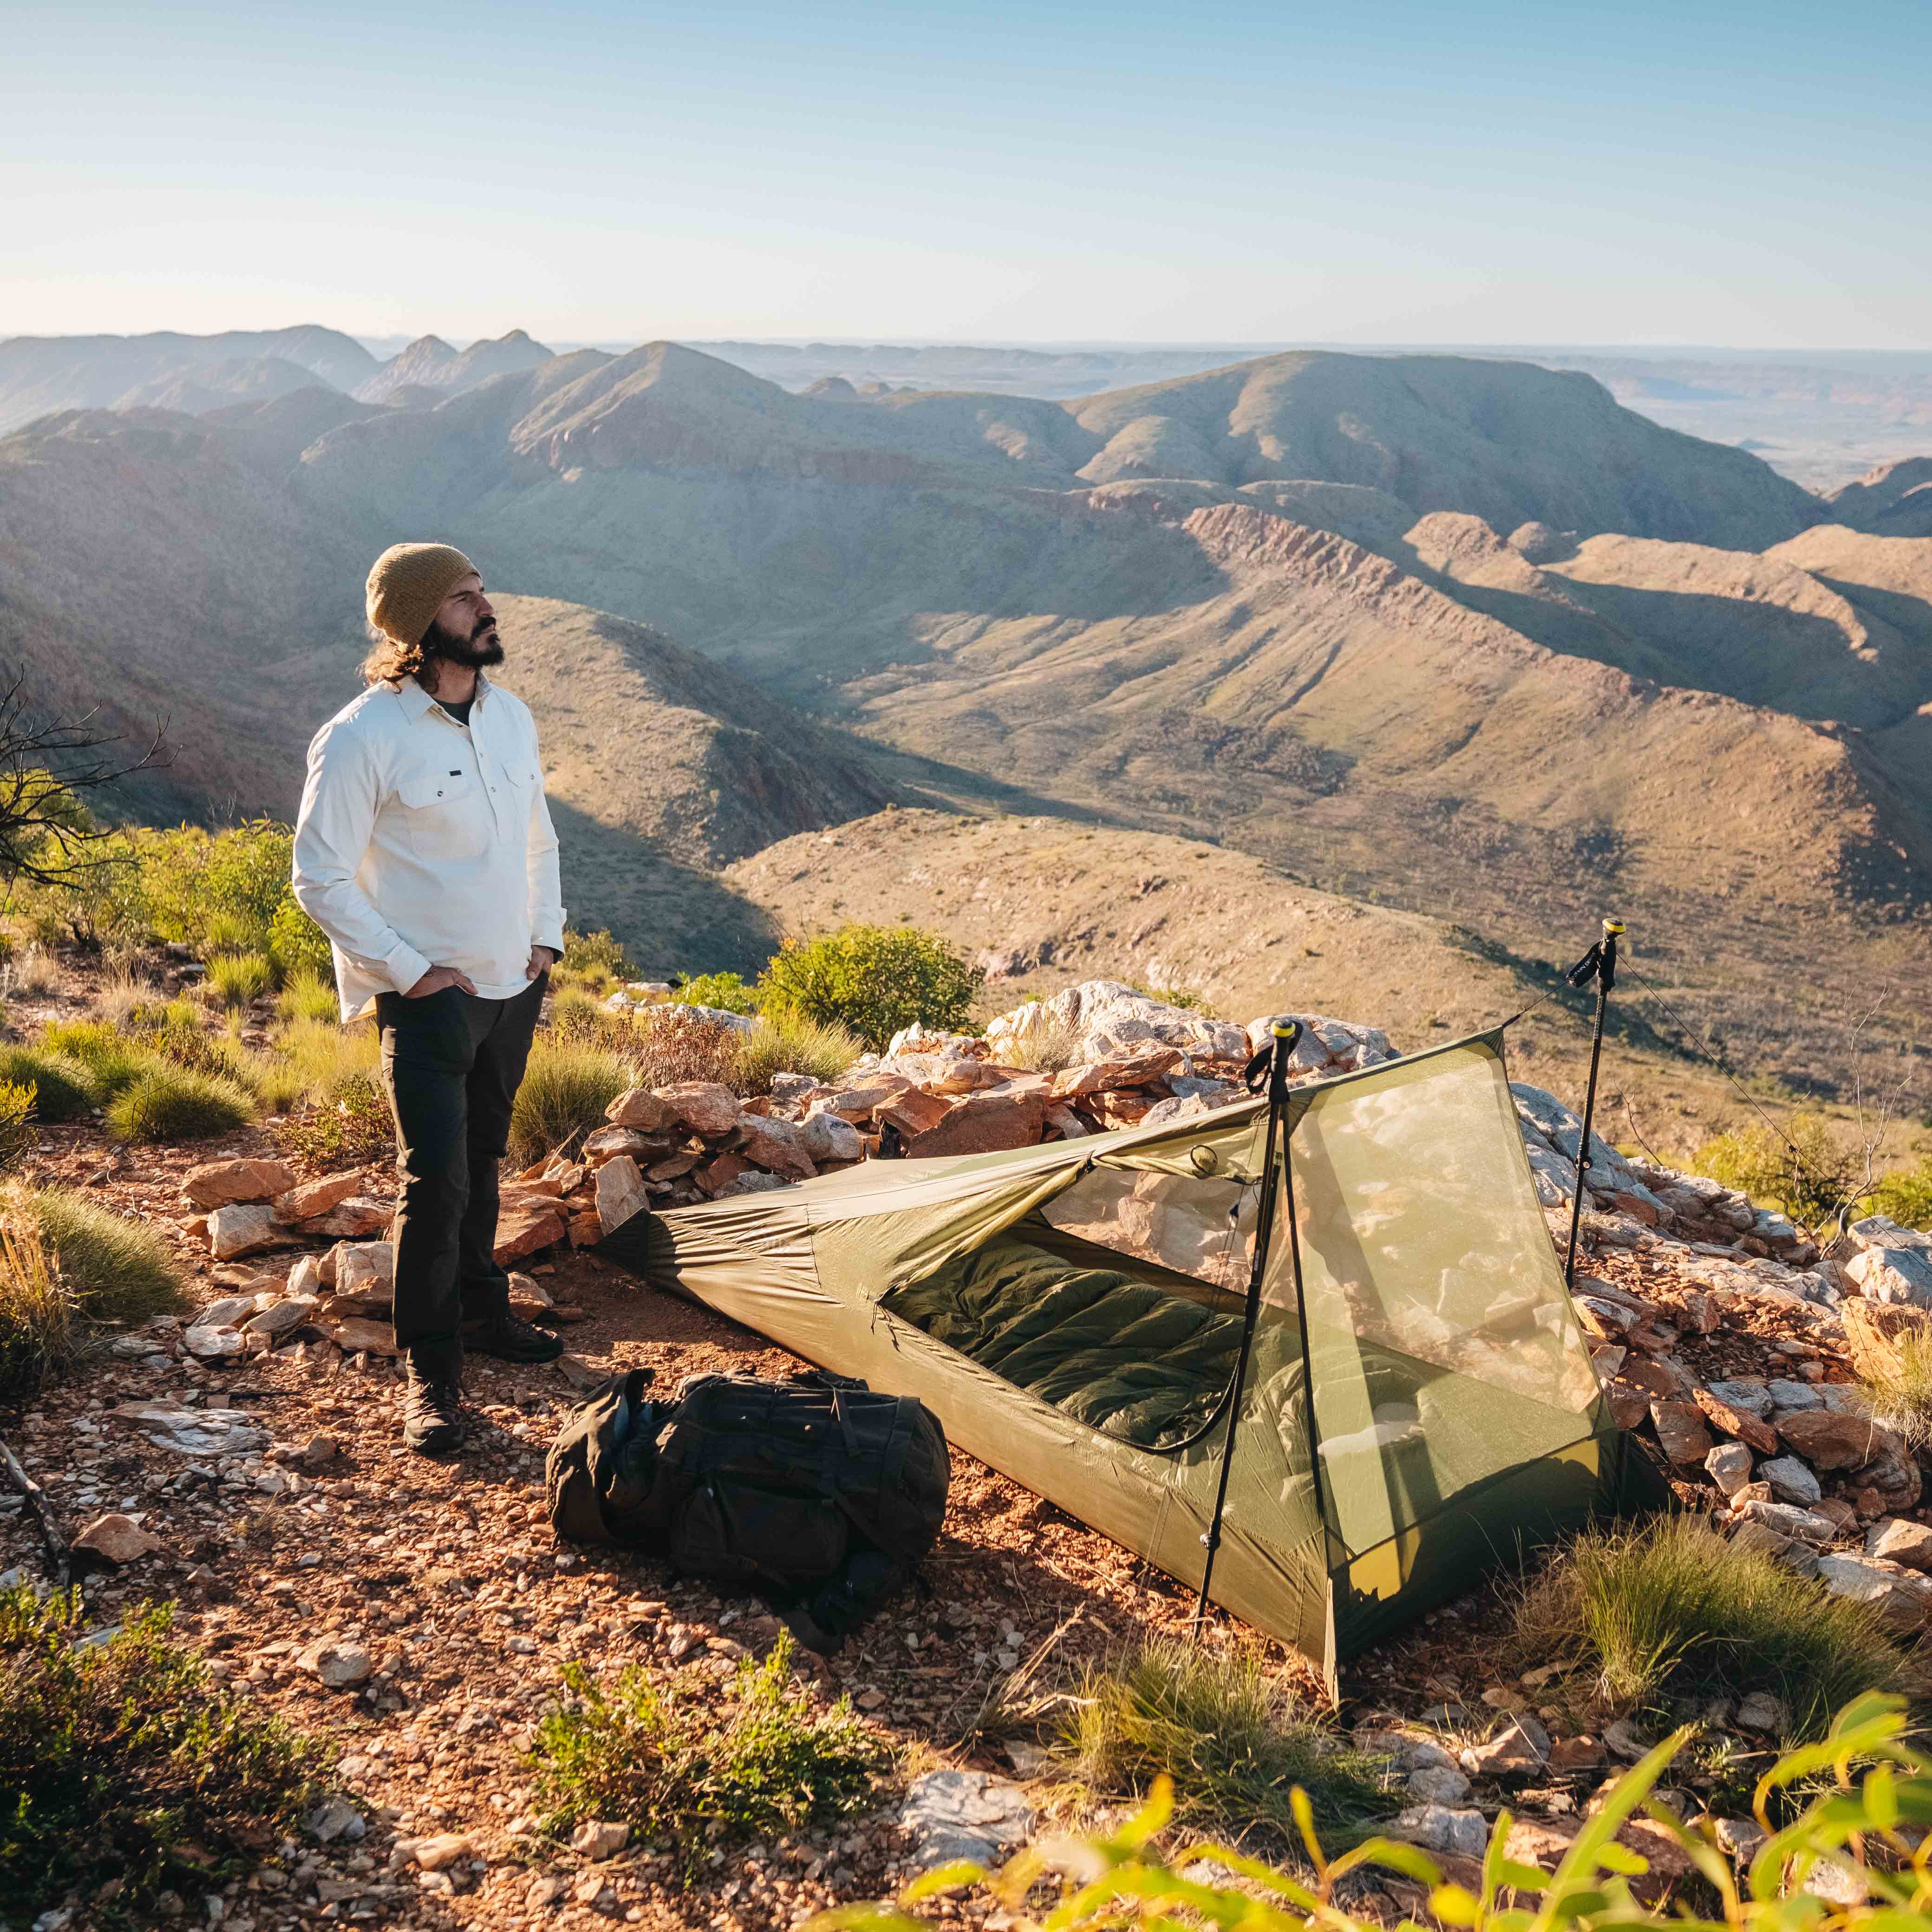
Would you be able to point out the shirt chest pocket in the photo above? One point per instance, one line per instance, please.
(444, 814)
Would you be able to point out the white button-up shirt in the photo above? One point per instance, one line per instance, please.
(423, 842)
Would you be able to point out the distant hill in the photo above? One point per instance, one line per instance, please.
(39, 374)
(1893, 500)
(430, 363)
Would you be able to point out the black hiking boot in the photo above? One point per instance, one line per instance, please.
(432, 1414)
(510, 1339)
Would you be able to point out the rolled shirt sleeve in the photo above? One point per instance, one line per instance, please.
(338, 813)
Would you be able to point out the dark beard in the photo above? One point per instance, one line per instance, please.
(473, 653)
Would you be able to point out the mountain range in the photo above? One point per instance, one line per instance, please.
(1467, 636)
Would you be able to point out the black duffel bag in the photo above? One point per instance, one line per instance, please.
(816, 1491)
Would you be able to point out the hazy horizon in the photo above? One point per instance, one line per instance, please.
(1405, 174)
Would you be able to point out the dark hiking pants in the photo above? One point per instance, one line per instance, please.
(451, 1066)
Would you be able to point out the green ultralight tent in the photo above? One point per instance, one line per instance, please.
(1419, 1403)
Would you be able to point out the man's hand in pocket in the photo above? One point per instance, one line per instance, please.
(438, 977)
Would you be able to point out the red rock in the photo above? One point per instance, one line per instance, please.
(585, 1230)
(1874, 1329)
(355, 1337)
(776, 1146)
(1737, 1422)
(1635, 1206)
(669, 1170)
(1680, 1428)
(914, 1112)
(1656, 1378)
(524, 1228)
(359, 1218)
(607, 1142)
(1829, 1441)
(117, 1538)
(702, 1105)
(620, 1194)
(1628, 1406)
(639, 1108)
(1130, 1070)
(312, 1198)
(720, 1171)
(982, 1124)
(216, 1184)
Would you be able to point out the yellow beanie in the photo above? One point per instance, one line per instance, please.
(407, 584)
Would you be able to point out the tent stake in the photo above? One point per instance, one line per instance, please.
(1274, 1060)
(1599, 963)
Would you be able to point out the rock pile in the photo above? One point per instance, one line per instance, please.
(1723, 1333)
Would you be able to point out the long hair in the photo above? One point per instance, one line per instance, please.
(389, 661)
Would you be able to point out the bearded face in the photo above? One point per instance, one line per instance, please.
(481, 648)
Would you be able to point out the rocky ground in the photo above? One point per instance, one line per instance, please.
(243, 1460)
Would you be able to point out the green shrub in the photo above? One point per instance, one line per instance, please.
(1672, 1610)
(565, 1090)
(643, 1752)
(727, 992)
(581, 1017)
(872, 980)
(169, 1103)
(325, 1056)
(16, 1123)
(111, 1058)
(114, 1270)
(1808, 1186)
(1184, 997)
(299, 946)
(1233, 1741)
(1905, 1195)
(307, 996)
(235, 979)
(36, 1311)
(1848, 1798)
(64, 1089)
(128, 1772)
(596, 956)
(787, 1044)
(352, 1124)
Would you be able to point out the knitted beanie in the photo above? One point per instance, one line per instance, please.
(407, 584)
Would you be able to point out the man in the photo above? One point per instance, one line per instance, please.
(424, 849)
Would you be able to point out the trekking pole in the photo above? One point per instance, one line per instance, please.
(1599, 963)
(1272, 1062)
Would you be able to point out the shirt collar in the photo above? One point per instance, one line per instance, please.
(418, 703)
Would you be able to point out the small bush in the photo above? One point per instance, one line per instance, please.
(593, 956)
(1672, 1610)
(31, 975)
(113, 1270)
(1234, 1743)
(113, 1059)
(1846, 1800)
(325, 1056)
(668, 1045)
(565, 1090)
(307, 996)
(299, 946)
(1808, 1186)
(64, 1089)
(36, 1313)
(1183, 997)
(789, 1044)
(1905, 1196)
(578, 1016)
(352, 1124)
(121, 997)
(235, 979)
(169, 1103)
(16, 1123)
(1046, 1046)
(1899, 1392)
(727, 992)
(128, 1772)
(644, 1753)
(872, 980)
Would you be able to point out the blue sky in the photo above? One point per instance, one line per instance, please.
(1721, 173)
